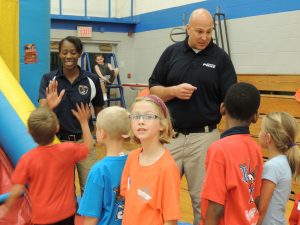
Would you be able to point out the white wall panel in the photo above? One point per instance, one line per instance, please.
(123, 8)
(145, 6)
(119, 8)
(266, 44)
(73, 7)
(97, 8)
(148, 47)
(54, 6)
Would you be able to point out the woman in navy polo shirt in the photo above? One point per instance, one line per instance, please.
(73, 86)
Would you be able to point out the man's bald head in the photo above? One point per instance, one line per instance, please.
(201, 14)
(200, 29)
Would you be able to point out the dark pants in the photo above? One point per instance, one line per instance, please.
(68, 221)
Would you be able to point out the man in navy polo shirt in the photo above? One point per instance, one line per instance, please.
(192, 77)
(72, 85)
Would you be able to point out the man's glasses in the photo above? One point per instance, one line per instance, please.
(147, 116)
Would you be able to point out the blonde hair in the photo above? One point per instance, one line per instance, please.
(167, 133)
(115, 121)
(42, 124)
(284, 130)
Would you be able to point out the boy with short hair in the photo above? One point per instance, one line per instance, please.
(234, 163)
(101, 202)
(49, 169)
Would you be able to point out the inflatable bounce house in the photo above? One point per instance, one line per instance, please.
(24, 57)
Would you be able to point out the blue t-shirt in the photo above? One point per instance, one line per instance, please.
(101, 198)
(279, 172)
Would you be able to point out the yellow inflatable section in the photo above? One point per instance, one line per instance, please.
(14, 93)
(9, 38)
(9, 60)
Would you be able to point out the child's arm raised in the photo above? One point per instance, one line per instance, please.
(16, 191)
(213, 214)
(83, 114)
(267, 189)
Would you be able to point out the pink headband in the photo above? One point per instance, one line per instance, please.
(158, 102)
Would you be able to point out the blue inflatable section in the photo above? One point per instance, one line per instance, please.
(34, 28)
(14, 137)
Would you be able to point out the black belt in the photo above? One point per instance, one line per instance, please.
(69, 137)
(205, 129)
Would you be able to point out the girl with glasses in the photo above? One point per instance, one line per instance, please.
(150, 180)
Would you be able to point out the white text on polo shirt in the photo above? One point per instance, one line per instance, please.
(209, 65)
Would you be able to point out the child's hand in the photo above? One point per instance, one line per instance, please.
(83, 112)
(53, 99)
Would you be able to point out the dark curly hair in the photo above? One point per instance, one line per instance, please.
(242, 100)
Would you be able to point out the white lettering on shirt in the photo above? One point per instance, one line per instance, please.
(209, 65)
(250, 214)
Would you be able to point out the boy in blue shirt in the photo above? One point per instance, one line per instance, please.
(101, 202)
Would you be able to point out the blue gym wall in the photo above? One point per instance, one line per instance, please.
(34, 28)
(233, 9)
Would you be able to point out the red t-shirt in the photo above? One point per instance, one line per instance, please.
(233, 178)
(151, 192)
(49, 171)
(295, 214)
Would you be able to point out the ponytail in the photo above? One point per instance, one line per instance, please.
(293, 155)
(284, 130)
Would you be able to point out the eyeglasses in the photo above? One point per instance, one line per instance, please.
(147, 116)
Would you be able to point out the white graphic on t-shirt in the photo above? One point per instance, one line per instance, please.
(144, 194)
(249, 178)
(250, 214)
(119, 202)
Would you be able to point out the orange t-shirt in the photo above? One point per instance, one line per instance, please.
(49, 171)
(295, 214)
(233, 178)
(151, 192)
